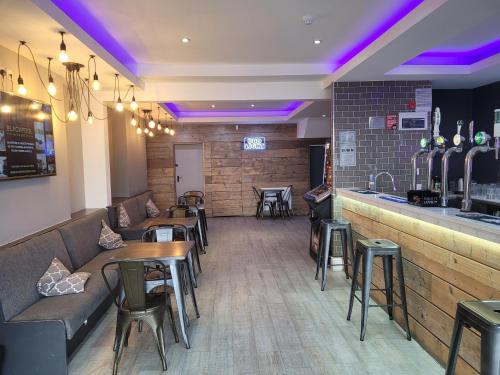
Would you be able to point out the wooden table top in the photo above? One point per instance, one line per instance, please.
(188, 222)
(177, 250)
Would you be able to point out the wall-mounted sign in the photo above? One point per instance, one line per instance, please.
(254, 143)
(347, 141)
(413, 120)
(376, 122)
(391, 121)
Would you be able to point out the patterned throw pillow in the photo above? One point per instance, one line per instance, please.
(58, 281)
(151, 209)
(123, 218)
(54, 273)
(109, 239)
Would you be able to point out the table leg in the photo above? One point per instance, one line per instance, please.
(191, 291)
(179, 298)
(191, 269)
(200, 234)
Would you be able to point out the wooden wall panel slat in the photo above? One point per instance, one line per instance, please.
(229, 172)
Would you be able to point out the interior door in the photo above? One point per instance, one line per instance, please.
(188, 167)
(316, 165)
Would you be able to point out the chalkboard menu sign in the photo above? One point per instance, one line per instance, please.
(26, 138)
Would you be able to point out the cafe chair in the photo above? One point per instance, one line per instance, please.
(263, 201)
(194, 197)
(285, 201)
(138, 305)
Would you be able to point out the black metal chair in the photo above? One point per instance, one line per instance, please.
(192, 198)
(262, 202)
(483, 316)
(138, 305)
(157, 233)
(283, 202)
(327, 228)
(368, 250)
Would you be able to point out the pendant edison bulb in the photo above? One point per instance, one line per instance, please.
(21, 90)
(51, 88)
(146, 130)
(96, 85)
(6, 108)
(151, 134)
(139, 131)
(119, 105)
(159, 127)
(133, 122)
(72, 115)
(172, 132)
(134, 105)
(63, 56)
(90, 118)
(151, 124)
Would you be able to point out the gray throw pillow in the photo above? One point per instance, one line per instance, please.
(151, 209)
(123, 218)
(54, 273)
(58, 281)
(109, 239)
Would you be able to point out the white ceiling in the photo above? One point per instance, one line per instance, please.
(260, 51)
(22, 20)
(238, 31)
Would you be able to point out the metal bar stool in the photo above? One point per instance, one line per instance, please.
(368, 250)
(328, 226)
(483, 316)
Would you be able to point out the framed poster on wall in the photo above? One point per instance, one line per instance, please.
(26, 138)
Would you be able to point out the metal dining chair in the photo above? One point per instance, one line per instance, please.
(285, 201)
(138, 305)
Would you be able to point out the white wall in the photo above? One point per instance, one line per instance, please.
(29, 205)
(127, 156)
(314, 127)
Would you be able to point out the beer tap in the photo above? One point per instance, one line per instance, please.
(439, 147)
(458, 141)
(424, 149)
(482, 140)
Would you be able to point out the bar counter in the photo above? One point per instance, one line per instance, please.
(446, 259)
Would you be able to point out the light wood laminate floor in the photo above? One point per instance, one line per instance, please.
(262, 312)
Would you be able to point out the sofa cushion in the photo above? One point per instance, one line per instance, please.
(72, 284)
(73, 309)
(22, 265)
(81, 237)
(132, 207)
(133, 232)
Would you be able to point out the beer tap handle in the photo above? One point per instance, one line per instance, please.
(471, 132)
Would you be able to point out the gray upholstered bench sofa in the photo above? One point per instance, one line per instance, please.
(38, 334)
(136, 210)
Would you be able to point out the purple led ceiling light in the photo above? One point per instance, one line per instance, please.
(285, 110)
(399, 13)
(75, 10)
(457, 57)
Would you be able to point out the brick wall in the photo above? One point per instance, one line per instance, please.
(230, 172)
(377, 149)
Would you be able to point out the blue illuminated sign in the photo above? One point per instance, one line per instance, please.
(254, 143)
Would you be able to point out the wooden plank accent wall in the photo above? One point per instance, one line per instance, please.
(230, 172)
(442, 267)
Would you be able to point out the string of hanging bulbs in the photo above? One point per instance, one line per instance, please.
(148, 126)
(79, 90)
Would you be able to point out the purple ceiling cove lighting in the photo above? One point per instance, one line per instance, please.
(399, 13)
(284, 111)
(457, 57)
(75, 10)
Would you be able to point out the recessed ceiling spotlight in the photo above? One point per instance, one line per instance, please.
(212, 105)
(317, 41)
(252, 105)
(185, 40)
(323, 115)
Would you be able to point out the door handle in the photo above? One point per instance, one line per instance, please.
(178, 178)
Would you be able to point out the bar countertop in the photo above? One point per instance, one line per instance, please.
(444, 217)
